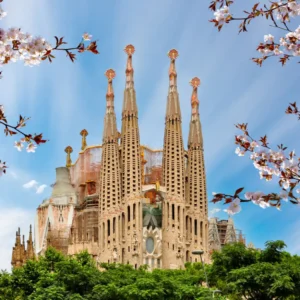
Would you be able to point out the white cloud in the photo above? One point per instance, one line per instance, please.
(10, 220)
(214, 211)
(40, 189)
(30, 184)
(34, 184)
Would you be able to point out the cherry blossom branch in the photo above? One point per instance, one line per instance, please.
(293, 109)
(16, 45)
(30, 139)
(288, 46)
(270, 164)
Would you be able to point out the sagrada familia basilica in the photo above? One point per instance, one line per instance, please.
(127, 203)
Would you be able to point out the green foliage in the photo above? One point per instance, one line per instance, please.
(269, 274)
(55, 276)
(240, 273)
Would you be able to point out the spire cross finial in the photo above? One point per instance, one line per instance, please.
(195, 83)
(110, 75)
(129, 50)
(84, 134)
(173, 54)
(69, 150)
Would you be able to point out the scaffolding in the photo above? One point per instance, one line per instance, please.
(153, 165)
(222, 232)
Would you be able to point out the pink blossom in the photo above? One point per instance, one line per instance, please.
(87, 37)
(234, 207)
(269, 38)
(31, 147)
(19, 145)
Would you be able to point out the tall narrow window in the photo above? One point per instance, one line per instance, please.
(173, 212)
(123, 225)
(201, 229)
(195, 227)
(128, 213)
(103, 234)
(114, 225)
(108, 227)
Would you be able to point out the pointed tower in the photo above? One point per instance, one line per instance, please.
(196, 198)
(30, 247)
(18, 253)
(130, 136)
(173, 175)
(110, 182)
(131, 168)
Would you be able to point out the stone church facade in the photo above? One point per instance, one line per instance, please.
(128, 203)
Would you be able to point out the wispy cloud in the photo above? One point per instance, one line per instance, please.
(34, 184)
(30, 184)
(40, 189)
(213, 212)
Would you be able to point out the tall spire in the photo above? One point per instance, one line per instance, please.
(173, 173)
(18, 237)
(173, 153)
(131, 167)
(129, 50)
(195, 134)
(196, 186)
(18, 253)
(30, 248)
(130, 137)
(110, 181)
(173, 106)
(110, 132)
(196, 197)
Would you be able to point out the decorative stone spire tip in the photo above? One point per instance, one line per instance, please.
(84, 134)
(129, 49)
(68, 150)
(195, 83)
(110, 75)
(173, 54)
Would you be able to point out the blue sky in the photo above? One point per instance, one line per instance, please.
(62, 98)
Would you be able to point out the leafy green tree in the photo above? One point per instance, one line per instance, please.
(55, 276)
(257, 275)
